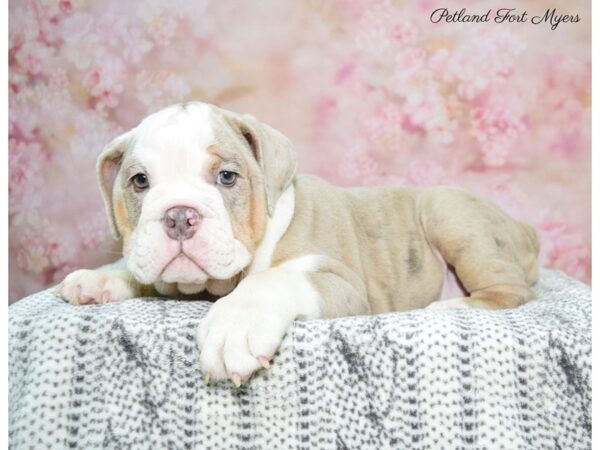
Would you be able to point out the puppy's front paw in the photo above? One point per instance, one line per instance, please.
(84, 287)
(239, 336)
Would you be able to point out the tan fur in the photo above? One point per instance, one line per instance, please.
(249, 218)
(121, 219)
(271, 149)
(374, 250)
(388, 239)
(308, 251)
(107, 169)
(257, 215)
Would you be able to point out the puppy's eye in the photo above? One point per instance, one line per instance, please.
(227, 178)
(140, 182)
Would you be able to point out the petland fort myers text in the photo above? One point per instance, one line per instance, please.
(504, 15)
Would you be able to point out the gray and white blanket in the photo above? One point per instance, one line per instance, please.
(126, 376)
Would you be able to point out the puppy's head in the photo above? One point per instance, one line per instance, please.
(190, 190)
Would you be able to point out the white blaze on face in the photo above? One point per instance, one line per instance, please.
(172, 147)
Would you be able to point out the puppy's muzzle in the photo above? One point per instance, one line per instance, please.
(181, 222)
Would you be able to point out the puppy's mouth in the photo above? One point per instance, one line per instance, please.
(183, 268)
(210, 255)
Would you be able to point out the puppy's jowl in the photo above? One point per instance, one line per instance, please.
(207, 200)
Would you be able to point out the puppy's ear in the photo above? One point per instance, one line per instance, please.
(107, 168)
(275, 155)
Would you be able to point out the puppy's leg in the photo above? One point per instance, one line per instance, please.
(243, 330)
(494, 256)
(84, 287)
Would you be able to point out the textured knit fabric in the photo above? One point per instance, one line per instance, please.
(126, 376)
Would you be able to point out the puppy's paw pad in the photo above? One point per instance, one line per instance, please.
(87, 287)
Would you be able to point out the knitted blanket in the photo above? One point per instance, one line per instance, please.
(126, 376)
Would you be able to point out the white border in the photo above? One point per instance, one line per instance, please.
(4, 225)
(595, 218)
(4, 220)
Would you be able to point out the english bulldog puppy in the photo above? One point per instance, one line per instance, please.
(208, 201)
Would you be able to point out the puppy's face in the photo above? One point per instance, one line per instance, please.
(190, 190)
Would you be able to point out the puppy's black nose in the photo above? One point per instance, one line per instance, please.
(181, 222)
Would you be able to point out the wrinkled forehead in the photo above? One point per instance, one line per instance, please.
(188, 125)
(175, 138)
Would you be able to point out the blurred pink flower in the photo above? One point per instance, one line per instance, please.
(17, 81)
(24, 26)
(565, 144)
(33, 258)
(105, 81)
(156, 89)
(345, 72)
(58, 81)
(93, 230)
(408, 63)
(122, 36)
(369, 90)
(563, 72)
(426, 109)
(34, 56)
(380, 30)
(42, 252)
(25, 162)
(111, 29)
(323, 114)
(76, 27)
(162, 29)
(482, 58)
(92, 133)
(564, 248)
(135, 45)
(383, 123)
(566, 92)
(497, 123)
(427, 173)
(23, 120)
(66, 6)
(49, 9)
(499, 185)
(358, 166)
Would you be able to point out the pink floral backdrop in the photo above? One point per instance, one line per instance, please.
(371, 92)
